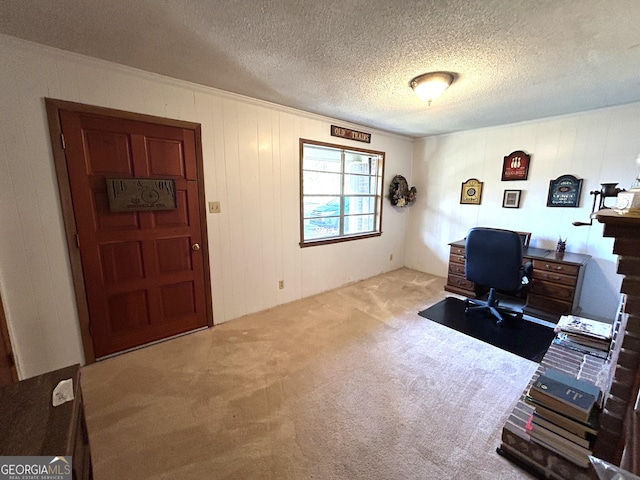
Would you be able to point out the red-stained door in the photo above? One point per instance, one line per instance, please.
(144, 272)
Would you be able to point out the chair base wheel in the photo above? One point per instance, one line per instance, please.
(505, 317)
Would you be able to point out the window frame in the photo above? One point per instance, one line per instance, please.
(378, 197)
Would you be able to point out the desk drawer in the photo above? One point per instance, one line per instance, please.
(551, 290)
(457, 250)
(460, 282)
(456, 269)
(459, 259)
(561, 278)
(555, 267)
(547, 304)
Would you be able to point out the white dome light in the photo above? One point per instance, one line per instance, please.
(431, 85)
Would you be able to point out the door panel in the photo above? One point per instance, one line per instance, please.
(143, 277)
(166, 157)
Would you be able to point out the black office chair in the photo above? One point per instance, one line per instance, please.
(494, 260)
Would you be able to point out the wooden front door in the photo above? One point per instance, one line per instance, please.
(145, 271)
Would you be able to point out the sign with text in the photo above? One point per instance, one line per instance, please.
(35, 468)
(141, 194)
(516, 166)
(350, 134)
(564, 191)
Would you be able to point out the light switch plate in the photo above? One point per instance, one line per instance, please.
(214, 207)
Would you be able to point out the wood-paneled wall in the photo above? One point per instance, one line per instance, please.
(250, 151)
(598, 146)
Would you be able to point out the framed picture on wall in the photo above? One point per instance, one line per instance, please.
(564, 191)
(471, 192)
(516, 166)
(511, 198)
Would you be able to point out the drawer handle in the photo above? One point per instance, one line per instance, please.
(548, 267)
(552, 277)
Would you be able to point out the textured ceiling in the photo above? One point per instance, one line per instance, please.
(353, 59)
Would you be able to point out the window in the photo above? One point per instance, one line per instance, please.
(341, 193)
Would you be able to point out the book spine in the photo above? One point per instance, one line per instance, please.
(557, 433)
(580, 428)
(566, 399)
(579, 460)
(583, 441)
(579, 347)
(540, 457)
(562, 408)
(564, 393)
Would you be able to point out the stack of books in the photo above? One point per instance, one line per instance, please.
(565, 419)
(584, 333)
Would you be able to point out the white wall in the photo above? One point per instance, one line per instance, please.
(251, 166)
(598, 146)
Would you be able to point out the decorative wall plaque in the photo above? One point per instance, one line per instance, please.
(350, 134)
(564, 191)
(141, 194)
(471, 192)
(516, 166)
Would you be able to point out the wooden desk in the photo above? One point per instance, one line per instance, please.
(555, 286)
(32, 426)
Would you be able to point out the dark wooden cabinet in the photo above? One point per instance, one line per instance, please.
(32, 426)
(555, 285)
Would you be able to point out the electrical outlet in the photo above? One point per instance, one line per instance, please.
(214, 207)
(391, 257)
(281, 284)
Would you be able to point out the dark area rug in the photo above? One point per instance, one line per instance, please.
(527, 339)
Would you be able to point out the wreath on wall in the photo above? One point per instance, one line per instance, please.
(400, 194)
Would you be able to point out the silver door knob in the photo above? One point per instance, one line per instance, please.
(195, 247)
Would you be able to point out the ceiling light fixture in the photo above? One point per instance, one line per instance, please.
(429, 86)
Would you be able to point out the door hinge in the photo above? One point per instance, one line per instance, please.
(77, 240)
(64, 146)
(90, 332)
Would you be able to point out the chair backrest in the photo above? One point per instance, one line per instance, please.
(494, 258)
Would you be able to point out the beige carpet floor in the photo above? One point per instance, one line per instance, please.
(349, 384)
